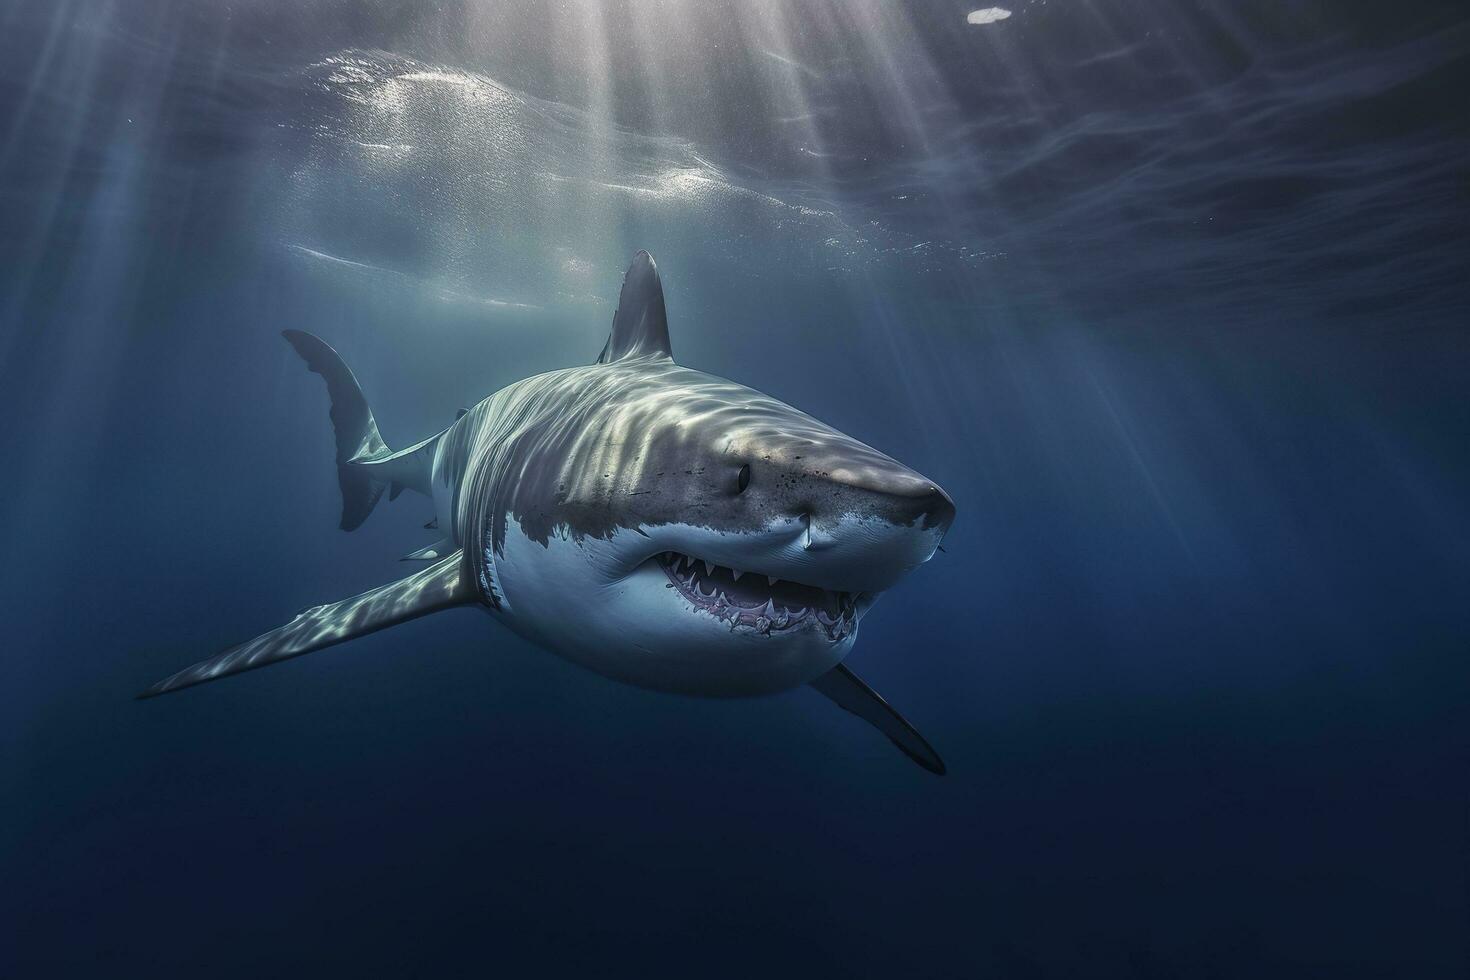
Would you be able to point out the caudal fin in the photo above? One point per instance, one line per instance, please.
(358, 440)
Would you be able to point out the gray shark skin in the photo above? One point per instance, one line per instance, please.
(660, 526)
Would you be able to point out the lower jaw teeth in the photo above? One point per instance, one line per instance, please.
(763, 619)
(771, 618)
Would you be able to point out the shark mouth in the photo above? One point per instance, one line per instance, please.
(763, 603)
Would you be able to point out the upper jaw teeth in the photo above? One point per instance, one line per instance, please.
(709, 587)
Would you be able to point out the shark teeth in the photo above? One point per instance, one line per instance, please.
(737, 598)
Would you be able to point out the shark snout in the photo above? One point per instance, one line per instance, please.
(880, 488)
(930, 511)
(866, 532)
(917, 500)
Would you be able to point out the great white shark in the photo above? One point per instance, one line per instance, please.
(655, 524)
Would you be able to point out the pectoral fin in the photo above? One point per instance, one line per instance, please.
(437, 587)
(851, 694)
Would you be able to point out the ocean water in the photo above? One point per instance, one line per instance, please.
(1170, 297)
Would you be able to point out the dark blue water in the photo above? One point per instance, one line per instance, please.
(1171, 297)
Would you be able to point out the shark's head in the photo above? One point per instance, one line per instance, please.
(679, 531)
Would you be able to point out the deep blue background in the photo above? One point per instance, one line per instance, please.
(1170, 297)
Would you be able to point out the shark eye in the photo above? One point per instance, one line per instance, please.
(743, 480)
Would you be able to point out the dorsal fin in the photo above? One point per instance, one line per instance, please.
(640, 327)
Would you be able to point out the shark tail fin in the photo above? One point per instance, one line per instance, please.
(358, 440)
